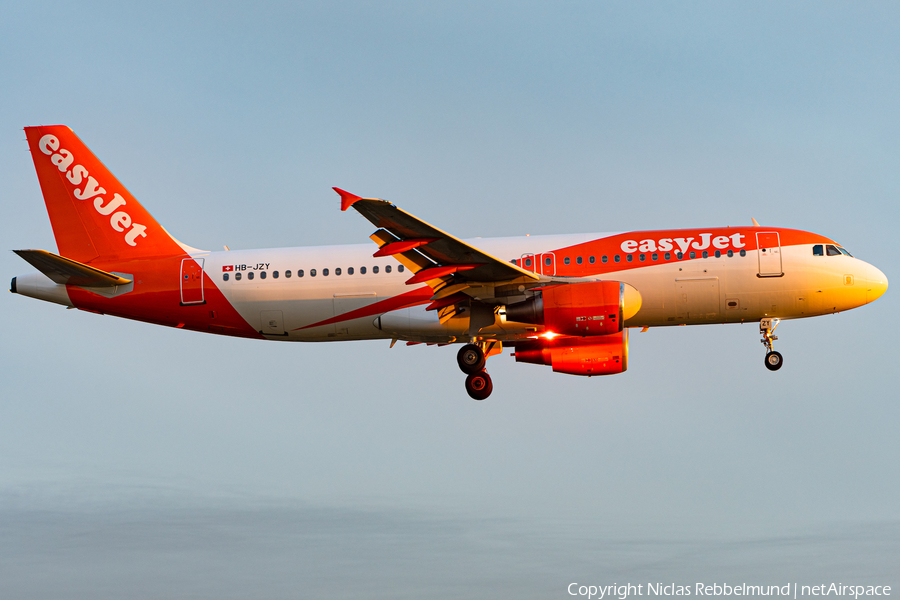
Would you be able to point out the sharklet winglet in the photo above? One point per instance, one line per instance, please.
(347, 199)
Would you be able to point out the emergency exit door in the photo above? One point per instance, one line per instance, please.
(542, 264)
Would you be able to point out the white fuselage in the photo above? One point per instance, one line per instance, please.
(702, 290)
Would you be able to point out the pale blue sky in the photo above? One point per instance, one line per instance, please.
(231, 122)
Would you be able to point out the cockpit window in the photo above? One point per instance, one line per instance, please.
(832, 250)
(818, 250)
(844, 252)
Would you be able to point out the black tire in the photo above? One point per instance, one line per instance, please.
(470, 359)
(774, 360)
(479, 385)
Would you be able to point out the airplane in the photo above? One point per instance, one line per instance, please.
(564, 301)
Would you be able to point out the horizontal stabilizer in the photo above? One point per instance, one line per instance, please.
(70, 272)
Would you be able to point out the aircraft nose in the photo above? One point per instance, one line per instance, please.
(878, 284)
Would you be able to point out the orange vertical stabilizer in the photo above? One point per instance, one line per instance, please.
(92, 214)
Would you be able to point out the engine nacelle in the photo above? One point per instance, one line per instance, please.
(582, 309)
(596, 355)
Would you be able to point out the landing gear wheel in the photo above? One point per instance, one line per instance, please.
(774, 361)
(479, 385)
(471, 360)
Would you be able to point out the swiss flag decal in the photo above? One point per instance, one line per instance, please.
(228, 268)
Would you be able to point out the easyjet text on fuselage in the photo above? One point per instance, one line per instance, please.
(683, 244)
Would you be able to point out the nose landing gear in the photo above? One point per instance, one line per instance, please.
(471, 359)
(774, 360)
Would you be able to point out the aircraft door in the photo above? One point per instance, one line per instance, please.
(548, 263)
(769, 254)
(527, 262)
(542, 264)
(192, 281)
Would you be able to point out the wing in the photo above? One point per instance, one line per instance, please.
(455, 270)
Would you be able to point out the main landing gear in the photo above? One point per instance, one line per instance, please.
(774, 360)
(479, 385)
(471, 359)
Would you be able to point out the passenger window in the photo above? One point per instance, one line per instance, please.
(679, 255)
(629, 257)
(401, 268)
(693, 254)
(642, 257)
(362, 270)
(349, 270)
(387, 269)
(591, 259)
(743, 253)
(287, 273)
(655, 256)
(312, 272)
(616, 258)
(668, 256)
(548, 261)
(818, 250)
(579, 260)
(527, 262)
(718, 254)
(275, 274)
(375, 269)
(565, 260)
(225, 276)
(262, 275)
(603, 259)
(337, 272)
(730, 253)
(250, 275)
(324, 272)
(299, 272)
(237, 276)
(705, 254)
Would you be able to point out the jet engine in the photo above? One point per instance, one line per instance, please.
(595, 355)
(581, 309)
